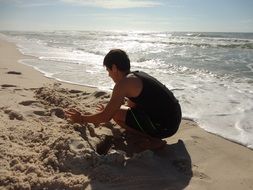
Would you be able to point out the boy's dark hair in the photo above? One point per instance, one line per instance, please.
(119, 58)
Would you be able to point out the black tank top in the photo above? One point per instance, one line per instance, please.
(155, 98)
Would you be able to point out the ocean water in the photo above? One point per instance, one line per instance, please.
(210, 73)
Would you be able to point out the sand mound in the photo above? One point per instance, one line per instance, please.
(43, 151)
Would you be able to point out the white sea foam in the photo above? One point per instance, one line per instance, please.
(210, 73)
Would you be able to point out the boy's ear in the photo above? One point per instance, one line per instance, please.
(114, 68)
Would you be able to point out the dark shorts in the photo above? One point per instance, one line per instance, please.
(158, 128)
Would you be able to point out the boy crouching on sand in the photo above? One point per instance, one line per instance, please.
(152, 111)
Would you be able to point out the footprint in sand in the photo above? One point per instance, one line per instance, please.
(41, 113)
(8, 85)
(14, 115)
(99, 94)
(58, 112)
(200, 175)
(28, 102)
(75, 91)
(14, 73)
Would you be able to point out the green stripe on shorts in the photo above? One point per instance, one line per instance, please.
(137, 121)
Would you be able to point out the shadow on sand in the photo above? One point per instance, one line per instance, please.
(165, 169)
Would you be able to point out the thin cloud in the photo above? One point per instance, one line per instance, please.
(107, 4)
(29, 3)
(36, 5)
(114, 4)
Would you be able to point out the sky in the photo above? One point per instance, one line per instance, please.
(127, 15)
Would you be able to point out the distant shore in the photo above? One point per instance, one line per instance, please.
(40, 149)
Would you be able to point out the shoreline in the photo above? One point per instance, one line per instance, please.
(33, 143)
(56, 79)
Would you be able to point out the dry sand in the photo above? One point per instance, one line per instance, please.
(39, 149)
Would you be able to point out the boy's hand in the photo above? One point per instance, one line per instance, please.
(73, 115)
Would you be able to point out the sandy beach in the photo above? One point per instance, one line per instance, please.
(39, 149)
